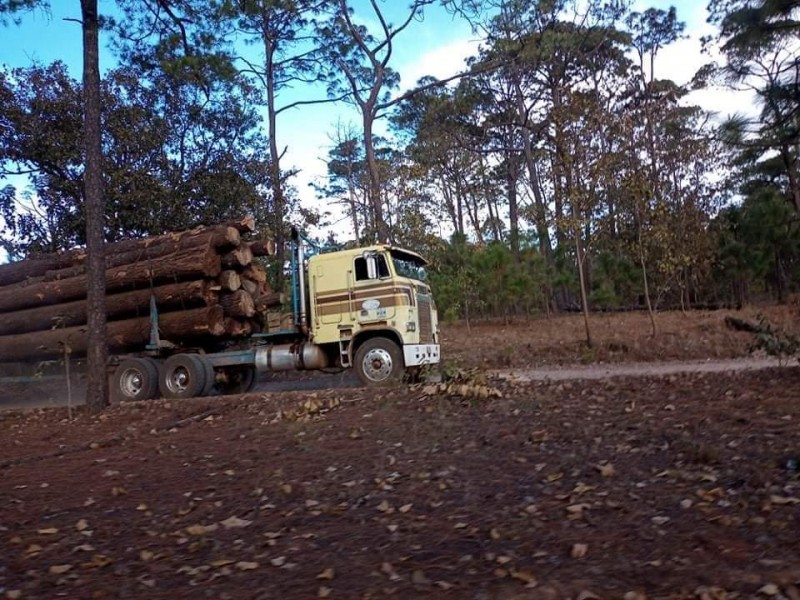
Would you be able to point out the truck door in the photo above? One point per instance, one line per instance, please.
(329, 304)
(373, 294)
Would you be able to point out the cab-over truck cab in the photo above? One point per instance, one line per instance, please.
(375, 305)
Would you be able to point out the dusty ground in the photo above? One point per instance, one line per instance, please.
(666, 487)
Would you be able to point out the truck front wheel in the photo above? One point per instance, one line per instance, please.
(135, 379)
(182, 376)
(379, 362)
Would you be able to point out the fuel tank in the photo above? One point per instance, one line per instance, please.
(301, 356)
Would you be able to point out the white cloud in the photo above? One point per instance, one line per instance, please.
(442, 62)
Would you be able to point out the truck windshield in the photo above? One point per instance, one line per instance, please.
(408, 265)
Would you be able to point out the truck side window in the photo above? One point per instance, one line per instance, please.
(361, 267)
(383, 268)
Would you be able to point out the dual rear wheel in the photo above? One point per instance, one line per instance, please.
(179, 376)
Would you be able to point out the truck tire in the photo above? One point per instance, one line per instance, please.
(379, 362)
(211, 376)
(135, 379)
(240, 380)
(182, 376)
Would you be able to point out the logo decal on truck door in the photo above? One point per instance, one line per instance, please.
(370, 304)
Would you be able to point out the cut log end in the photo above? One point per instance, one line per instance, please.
(246, 224)
(262, 247)
(238, 258)
(229, 280)
(238, 304)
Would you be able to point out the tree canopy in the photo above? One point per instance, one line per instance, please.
(558, 169)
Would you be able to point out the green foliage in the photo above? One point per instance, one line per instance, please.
(174, 156)
(616, 281)
(777, 343)
(758, 248)
(486, 281)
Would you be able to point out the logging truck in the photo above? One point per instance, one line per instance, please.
(368, 309)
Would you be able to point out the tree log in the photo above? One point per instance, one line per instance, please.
(230, 280)
(743, 325)
(267, 301)
(237, 327)
(187, 264)
(250, 286)
(220, 236)
(72, 263)
(38, 265)
(255, 272)
(246, 224)
(262, 247)
(156, 251)
(238, 304)
(129, 335)
(240, 257)
(137, 303)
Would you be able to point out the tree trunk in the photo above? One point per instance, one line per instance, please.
(540, 210)
(579, 254)
(513, 209)
(97, 382)
(649, 303)
(381, 229)
(69, 314)
(269, 39)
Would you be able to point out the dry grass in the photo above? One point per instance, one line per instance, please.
(617, 337)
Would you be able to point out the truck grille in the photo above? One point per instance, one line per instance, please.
(425, 326)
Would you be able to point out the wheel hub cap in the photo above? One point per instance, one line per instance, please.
(377, 364)
(131, 382)
(177, 382)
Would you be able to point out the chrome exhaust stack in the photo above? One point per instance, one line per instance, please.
(302, 309)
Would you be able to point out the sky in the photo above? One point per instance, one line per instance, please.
(436, 45)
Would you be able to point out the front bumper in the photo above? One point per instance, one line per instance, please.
(415, 355)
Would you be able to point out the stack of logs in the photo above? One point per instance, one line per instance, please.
(205, 283)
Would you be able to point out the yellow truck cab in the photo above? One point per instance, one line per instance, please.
(375, 304)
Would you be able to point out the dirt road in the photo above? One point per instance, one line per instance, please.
(51, 392)
(641, 369)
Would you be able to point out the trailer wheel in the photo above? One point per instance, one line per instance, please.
(211, 376)
(135, 379)
(182, 376)
(379, 362)
(240, 380)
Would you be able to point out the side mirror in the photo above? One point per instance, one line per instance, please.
(372, 267)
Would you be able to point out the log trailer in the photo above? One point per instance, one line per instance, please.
(369, 309)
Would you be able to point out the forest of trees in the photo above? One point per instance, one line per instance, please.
(558, 171)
